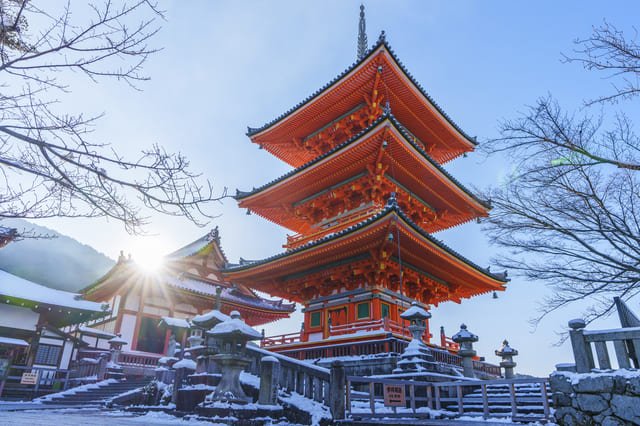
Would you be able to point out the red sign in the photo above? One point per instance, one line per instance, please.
(394, 395)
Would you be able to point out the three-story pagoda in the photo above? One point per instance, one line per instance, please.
(366, 193)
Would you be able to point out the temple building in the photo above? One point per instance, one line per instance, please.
(190, 283)
(366, 194)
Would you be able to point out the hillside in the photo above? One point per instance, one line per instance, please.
(61, 262)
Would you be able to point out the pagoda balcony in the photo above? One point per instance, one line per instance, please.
(336, 224)
(358, 328)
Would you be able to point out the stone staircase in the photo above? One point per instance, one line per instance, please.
(94, 395)
(528, 400)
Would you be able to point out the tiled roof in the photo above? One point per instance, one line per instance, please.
(381, 42)
(197, 245)
(194, 285)
(398, 126)
(390, 208)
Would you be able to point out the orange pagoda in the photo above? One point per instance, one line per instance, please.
(366, 193)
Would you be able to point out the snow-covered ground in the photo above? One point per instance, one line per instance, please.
(96, 417)
(77, 417)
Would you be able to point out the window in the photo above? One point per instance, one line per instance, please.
(363, 310)
(48, 354)
(315, 319)
(385, 310)
(150, 336)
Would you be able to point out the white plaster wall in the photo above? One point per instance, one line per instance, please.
(155, 311)
(127, 328)
(115, 306)
(132, 302)
(90, 340)
(48, 341)
(184, 307)
(314, 337)
(67, 351)
(17, 317)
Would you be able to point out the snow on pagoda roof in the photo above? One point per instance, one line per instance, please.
(10, 341)
(415, 311)
(208, 288)
(175, 322)
(382, 119)
(15, 287)
(208, 316)
(381, 44)
(234, 326)
(391, 208)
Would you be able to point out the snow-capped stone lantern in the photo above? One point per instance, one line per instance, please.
(507, 353)
(114, 370)
(115, 347)
(232, 335)
(416, 356)
(466, 339)
(417, 317)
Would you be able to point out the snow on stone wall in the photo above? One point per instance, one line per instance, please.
(599, 398)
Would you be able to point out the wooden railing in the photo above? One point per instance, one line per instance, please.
(449, 344)
(48, 380)
(126, 358)
(345, 221)
(295, 376)
(280, 339)
(346, 329)
(440, 396)
(139, 359)
(626, 344)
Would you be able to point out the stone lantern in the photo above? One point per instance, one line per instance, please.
(507, 353)
(114, 370)
(466, 339)
(232, 336)
(416, 356)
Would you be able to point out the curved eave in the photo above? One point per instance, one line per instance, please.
(391, 209)
(245, 197)
(379, 46)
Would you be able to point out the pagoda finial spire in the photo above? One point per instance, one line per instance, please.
(362, 34)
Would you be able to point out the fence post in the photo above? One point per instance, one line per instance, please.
(581, 349)
(337, 385)
(269, 367)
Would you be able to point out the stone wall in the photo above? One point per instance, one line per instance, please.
(607, 398)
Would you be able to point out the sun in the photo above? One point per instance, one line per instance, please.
(148, 254)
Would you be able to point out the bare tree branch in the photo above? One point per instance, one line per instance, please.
(50, 166)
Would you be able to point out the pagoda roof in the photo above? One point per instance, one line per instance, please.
(491, 281)
(382, 47)
(192, 270)
(387, 120)
(387, 117)
(198, 246)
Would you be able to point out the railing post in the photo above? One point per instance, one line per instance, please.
(622, 355)
(337, 385)
(581, 349)
(269, 370)
(485, 401)
(514, 402)
(545, 399)
(604, 363)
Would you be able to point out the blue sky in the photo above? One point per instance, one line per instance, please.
(226, 65)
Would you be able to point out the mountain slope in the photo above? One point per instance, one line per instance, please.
(62, 262)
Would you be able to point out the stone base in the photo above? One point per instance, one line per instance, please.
(208, 379)
(188, 399)
(241, 415)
